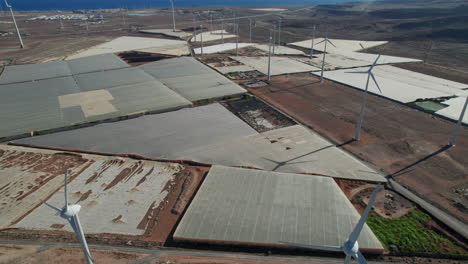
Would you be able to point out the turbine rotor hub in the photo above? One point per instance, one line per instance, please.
(70, 211)
(350, 249)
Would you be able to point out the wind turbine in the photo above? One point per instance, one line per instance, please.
(173, 16)
(326, 40)
(370, 75)
(312, 44)
(350, 247)
(269, 56)
(16, 25)
(70, 213)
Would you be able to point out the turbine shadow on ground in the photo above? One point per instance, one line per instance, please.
(405, 169)
(286, 162)
(294, 87)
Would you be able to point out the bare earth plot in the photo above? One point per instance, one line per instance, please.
(402, 141)
(256, 207)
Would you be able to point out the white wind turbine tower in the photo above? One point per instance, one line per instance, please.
(70, 213)
(456, 129)
(312, 44)
(350, 247)
(173, 16)
(326, 41)
(370, 75)
(16, 25)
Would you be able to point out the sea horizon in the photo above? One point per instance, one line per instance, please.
(28, 5)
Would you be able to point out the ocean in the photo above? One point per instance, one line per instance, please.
(104, 4)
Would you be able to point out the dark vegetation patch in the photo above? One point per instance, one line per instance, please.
(413, 233)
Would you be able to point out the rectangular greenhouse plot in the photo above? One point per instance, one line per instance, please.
(192, 79)
(152, 135)
(279, 65)
(212, 35)
(31, 72)
(335, 61)
(454, 109)
(48, 70)
(258, 207)
(127, 43)
(293, 149)
(167, 32)
(115, 193)
(60, 102)
(220, 48)
(29, 177)
(397, 84)
(342, 45)
(103, 62)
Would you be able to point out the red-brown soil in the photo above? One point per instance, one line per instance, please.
(407, 144)
(176, 259)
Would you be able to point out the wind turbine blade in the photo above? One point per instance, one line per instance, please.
(347, 260)
(375, 81)
(325, 248)
(360, 258)
(331, 43)
(358, 228)
(321, 42)
(53, 207)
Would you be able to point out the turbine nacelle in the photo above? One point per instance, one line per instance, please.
(70, 211)
(351, 249)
